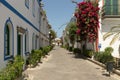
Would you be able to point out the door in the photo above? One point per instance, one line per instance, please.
(19, 44)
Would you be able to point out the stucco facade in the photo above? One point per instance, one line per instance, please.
(107, 21)
(109, 17)
(20, 22)
(44, 29)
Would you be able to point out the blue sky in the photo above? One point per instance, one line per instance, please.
(59, 12)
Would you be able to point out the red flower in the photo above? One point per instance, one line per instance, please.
(87, 20)
(84, 12)
(76, 15)
(78, 31)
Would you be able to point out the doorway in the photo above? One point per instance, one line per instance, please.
(19, 44)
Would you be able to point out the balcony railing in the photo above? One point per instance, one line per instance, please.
(111, 11)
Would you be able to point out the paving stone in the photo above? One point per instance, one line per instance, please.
(61, 65)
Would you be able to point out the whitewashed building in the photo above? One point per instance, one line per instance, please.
(110, 17)
(44, 29)
(20, 26)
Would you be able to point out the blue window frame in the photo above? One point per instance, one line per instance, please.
(8, 40)
(27, 3)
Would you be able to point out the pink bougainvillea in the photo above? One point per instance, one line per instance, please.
(78, 31)
(87, 21)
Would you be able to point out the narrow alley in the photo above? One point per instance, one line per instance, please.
(61, 65)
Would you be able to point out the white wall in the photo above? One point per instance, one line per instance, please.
(106, 26)
(5, 14)
(19, 5)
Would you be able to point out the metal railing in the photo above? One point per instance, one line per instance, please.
(111, 11)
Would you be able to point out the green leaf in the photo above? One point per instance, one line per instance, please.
(115, 27)
(107, 35)
(116, 36)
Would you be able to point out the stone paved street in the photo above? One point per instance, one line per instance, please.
(61, 65)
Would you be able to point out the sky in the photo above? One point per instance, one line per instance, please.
(59, 13)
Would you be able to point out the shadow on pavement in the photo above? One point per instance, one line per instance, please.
(70, 53)
(79, 57)
(106, 74)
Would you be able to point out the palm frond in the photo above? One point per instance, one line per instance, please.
(115, 28)
(116, 36)
(115, 31)
(107, 35)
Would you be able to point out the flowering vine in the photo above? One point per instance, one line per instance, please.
(87, 21)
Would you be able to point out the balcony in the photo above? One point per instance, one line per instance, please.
(110, 11)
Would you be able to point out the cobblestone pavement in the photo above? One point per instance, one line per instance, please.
(61, 65)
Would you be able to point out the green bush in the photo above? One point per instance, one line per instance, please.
(88, 53)
(76, 50)
(35, 57)
(65, 47)
(51, 47)
(38, 54)
(18, 64)
(109, 50)
(46, 49)
(12, 71)
(42, 49)
(98, 56)
(71, 49)
(32, 58)
(62, 46)
(105, 56)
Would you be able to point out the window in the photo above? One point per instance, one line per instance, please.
(33, 7)
(27, 3)
(33, 41)
(19, 44)
(20, 40)
(111, 7)
(115, 7)
(8, 40)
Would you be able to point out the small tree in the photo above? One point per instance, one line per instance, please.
(87, 21)
(72, 32)
(53, 34)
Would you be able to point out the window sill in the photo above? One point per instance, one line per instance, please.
(8, 57)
